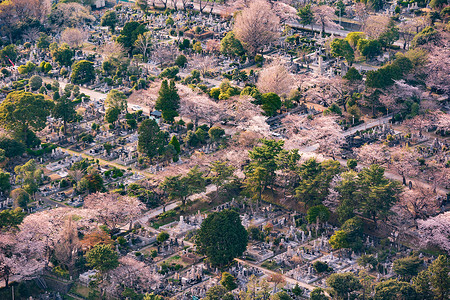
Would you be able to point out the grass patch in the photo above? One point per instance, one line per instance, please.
(80, 290)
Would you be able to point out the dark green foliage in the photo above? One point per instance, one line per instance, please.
(222, 237)
(109, 19)
(369, 48)
(168, 101)
(169, 73)
(427, 35)
(22, 111)
(63, 55)
(228, 281)
(102, 258)
(231, 46)
(271, 103)
(407, 267)
(11, 147)
(315, 179)
(8, 53)
(341, 48)
(318, 213)
(151, 138)
(353, 75)
(11, 218)
(321, 267)
(181, 61)
(394, 290)
(376, 193)
(343, 284)
(130, 33)
(82, 72)
(65, 109)
(176, 144)
(306, 15)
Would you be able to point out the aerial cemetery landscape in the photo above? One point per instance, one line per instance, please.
(225, 149)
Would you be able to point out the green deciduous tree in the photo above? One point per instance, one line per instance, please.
(21, 112)
(65, 109)
(231, 46)
(82, 72)
(112, 115)
(63, 55)
(102, 258)
(318, 213)
(407, 267)
(271, 103)
(222, 237)
(344, 284)
(342, 48)
(116, 99)
(109, 19)
(318, 294)
(228, 281)
(162, 237)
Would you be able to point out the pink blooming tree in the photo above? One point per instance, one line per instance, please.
(419, 203)
(324, 15)
(113, 209)
(435, 231)
(321, 133)
(373, 154)
(20, 258)
(197, 106)
(275, 79)
(437, 69)
(405, 161)
(132, 274)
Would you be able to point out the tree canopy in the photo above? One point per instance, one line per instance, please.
(222, 237)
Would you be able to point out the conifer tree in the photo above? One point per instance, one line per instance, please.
(168, 101)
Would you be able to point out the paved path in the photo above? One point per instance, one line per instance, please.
(367, 125)
(91, 93)
(143, 220)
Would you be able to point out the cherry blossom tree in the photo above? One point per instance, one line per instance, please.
(321, 133)
(324, 15)
(405, 161)
(256, 26)
(419, 203)
(198, 106)
(373, 154)
(435, 231)
(74, 37)
(437, 69)
(20, 259)
(132, 274)
(275, 79)
(362, 12)
(113, 209)
(376, 25)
